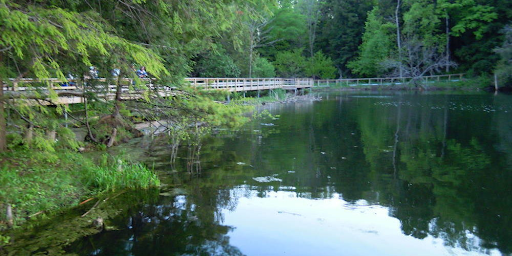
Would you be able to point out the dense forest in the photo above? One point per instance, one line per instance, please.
(316, 38)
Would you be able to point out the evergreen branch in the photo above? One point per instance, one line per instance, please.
(6, 49)
(25, 119)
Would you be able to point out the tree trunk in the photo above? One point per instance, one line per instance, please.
(447, 27)
(398, 39)
(117, 98)
(251, 50)
(3, 123)
(112, 139)
(51, 135)
(496, 88)
(9, 217)
(29, 135)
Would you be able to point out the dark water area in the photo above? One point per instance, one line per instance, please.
(353, 174)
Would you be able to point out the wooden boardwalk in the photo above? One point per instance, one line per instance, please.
(383, 81)
(106, 89)
(250, 84)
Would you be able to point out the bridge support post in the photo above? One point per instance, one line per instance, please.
(66, 117)
(228, 98)
(258, 93)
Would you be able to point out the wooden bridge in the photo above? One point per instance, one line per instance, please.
(388, 80)
(72, 92)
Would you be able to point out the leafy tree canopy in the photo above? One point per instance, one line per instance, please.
(290, 63)
(320, 66)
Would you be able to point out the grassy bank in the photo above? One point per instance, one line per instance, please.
(37, 184)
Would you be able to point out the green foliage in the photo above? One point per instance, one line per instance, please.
(469, 16)
(278, 94)
(290, 63)
(113, 173)
(4, 240)
(504, 68)
(35, 185)
(421, 22)
(263, 68)
(14, 141)
(287, 24)
(320, 66)
(272, 96)
(58, 32)
(340, 29)
(216, 64)
(377, 46)
(31, 183)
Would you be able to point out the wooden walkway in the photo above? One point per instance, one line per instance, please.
(388, 80)
(106, 89)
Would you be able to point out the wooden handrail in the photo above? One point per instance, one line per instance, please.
(230, 84)
(381, 80)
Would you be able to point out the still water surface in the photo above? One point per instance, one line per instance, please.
(353, 174)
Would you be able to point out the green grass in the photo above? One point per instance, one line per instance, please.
(267, 96)
(40, 182)
(114, 173)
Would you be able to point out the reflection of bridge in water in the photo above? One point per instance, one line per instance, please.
(28, 88)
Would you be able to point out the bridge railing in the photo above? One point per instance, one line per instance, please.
(249, 84)
(387, 80)
(230, 84)
(25, 84)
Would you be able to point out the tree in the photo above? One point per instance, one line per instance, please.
(3, 125)
(216, 64)
(275, 30)
(310, 9)
(464, 16)
(46, 39)
(290, 63)
(39, 38)
(320, 66)
(263, 68)
(504, 68)
(377, 46)
(340, 30)
(398, 39)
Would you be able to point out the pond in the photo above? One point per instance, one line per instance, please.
(358, 173)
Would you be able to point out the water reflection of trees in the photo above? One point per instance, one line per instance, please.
(446, 170)
(442, 171)
(180, 224)
(431, 159)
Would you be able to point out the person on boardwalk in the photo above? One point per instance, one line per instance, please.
(116, 72)
(141, 73)
(93, 72)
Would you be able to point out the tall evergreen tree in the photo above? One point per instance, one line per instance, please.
(340, 30)
(377, 46)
